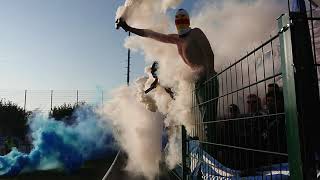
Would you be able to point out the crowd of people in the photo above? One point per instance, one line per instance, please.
(260, 127)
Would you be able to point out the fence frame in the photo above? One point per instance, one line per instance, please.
(287, 68)
(297, 64)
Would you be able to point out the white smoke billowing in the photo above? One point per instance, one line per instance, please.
(138, 131)
(232, 27)
(236, 27)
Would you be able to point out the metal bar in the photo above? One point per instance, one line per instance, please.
(313, 18)
(128, 67)
(175, 174)
(270, 77)
(307, 91)
(292, 126)
(25, 100)
(244, 57)
(243, 99)
(243, 148)
(102, 97)
(77, 97)
(51, 100)
(313, 39)
(184, 152)
(245, 118)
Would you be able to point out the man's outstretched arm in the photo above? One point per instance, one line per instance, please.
(171, 38)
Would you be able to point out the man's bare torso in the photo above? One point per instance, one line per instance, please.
(192, 49)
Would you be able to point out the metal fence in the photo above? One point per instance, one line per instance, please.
(45, 100)
(314, 25)
(253, 119)
(242, 126)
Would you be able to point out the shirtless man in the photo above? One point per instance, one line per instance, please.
(194, 49)
(193, 46)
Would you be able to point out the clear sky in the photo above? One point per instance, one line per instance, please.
(63, 44)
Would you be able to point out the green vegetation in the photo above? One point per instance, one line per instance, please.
(13, 122)
(64, 112)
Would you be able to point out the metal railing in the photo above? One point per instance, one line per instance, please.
(45, 100)
(313, 16)
(242, 126)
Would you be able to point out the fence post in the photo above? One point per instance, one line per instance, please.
(25, 100)
(51, 100)
(77, 97)
(292, 125)
(307, 91)
(184, 152)
(301, 96)
(101, 97)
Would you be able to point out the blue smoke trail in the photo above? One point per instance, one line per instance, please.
(60, 146)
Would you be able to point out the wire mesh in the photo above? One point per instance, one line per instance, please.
(239, 118)
(314, 26)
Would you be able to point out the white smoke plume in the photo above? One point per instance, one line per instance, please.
(232, 27)
(137, 130)
(235, 27)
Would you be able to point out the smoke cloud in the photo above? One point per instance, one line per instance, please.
(236, 27)
(138, 130)
(232, 27)
(60, 146)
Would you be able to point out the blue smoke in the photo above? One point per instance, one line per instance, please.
(60, 146)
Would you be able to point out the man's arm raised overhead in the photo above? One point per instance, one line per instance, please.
(165, 38)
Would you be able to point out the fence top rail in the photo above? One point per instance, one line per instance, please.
(244, 57)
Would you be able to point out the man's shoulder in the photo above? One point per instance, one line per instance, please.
(196, 30)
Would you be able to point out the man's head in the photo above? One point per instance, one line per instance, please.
(234, 110)
(274, 102)
(182, 21)
(273, 87)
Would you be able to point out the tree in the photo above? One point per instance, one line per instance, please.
(64, 112)
(13, 120)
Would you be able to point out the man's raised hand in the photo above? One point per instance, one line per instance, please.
(122, 23)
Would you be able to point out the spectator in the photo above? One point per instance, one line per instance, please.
(254, 104)
(274, 102)
(252, 134)
(234, 111)
(273, 87)
(274, 132)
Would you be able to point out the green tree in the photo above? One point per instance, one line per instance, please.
(13, 120)
(64, 112)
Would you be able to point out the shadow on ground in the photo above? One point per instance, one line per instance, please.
(92, 170)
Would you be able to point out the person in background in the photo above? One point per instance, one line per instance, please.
(254, 106)
(234, 111)
(273, 87)
(274, 102)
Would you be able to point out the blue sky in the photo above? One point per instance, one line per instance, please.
(64, 45)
